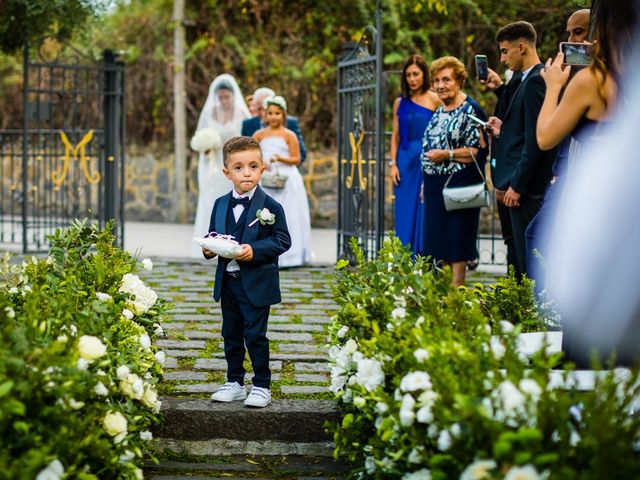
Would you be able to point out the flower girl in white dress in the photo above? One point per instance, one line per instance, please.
(281, 154)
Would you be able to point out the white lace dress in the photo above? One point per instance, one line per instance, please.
(211, 181)
(293, 198)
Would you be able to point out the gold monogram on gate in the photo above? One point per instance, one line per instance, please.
(75, 153)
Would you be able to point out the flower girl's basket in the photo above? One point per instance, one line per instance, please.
(273, 179)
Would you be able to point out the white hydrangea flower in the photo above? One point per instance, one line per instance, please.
(91, 348)
(478, 470)
(421, 354)
(122, 372)
(105, 297)
(526, 472)
(414, 381)
(147, 264)
(100, 389)
(53, 471)
(407, 415)
(444, 441)
(143, 297)
(423, 474)
(369, 373)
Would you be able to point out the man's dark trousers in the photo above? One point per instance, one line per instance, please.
(520, 218)
(504, 214)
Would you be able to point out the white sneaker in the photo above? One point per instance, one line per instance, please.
(229, 392)
(258, 397)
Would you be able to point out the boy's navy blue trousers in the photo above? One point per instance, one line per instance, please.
(244, 324)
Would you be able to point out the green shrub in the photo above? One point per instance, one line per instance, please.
(431, 384)
(77, 367)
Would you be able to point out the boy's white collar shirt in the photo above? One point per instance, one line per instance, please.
(233, 266)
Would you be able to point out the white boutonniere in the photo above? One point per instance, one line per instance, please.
(265, 217)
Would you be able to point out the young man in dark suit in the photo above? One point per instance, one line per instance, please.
(248, 284)
(253, 124)
(520, 170)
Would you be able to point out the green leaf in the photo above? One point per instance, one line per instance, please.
(6, 387)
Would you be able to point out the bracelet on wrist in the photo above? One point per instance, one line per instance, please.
(451, 154)
(392, 163)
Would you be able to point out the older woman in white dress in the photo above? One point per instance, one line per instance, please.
(223, 113)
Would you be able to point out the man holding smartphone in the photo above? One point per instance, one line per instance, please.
(520, 170)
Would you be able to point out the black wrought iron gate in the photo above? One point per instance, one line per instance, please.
(360, 142)
(66, 159)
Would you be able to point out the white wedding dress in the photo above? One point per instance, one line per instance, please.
(293, 198)
(211, 180)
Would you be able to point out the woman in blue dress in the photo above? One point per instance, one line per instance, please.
(411, 114)
(452, 144)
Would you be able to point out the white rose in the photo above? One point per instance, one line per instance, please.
(160, 357)
(497, 347)
(147, 264)
(506, 327)
(407, 415)
(75, 405)
(157, 406)
(423, 474)
(122, 372)
(82, 364)
(512, 399)
(424, 414)
(382, 407)
(398, 313)
(146, 436)
(359, 402)
(478, 470)
(53, 471)
(10, 312)
(265, 214)
(342, 332)
(421, 354)
(527, 472)
(126, 313)
(143, 297)
(105, 297)
(100, 389)
(414, 381)
(157, 329)
(370, 465)
(415, 456)
(62, 338)
(145, 341)
(350, 347)
(132, 386)
(91, 347)
(149, 397)
(369, 374)
(115, 424)
(444, 441)
(126, 457)
(531, 388)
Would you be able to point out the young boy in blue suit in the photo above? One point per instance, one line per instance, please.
(248, 284)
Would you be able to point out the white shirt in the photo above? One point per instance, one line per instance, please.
(526, 72)
(233, 266)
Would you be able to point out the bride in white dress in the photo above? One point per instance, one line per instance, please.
(281, 154)
(223, 111)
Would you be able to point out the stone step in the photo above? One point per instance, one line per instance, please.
(201, 427)
(253, 467)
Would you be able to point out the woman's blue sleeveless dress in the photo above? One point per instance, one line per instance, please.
(409, 212)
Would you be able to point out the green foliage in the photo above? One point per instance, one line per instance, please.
(65, 341)
(32, 20)
(431, 382)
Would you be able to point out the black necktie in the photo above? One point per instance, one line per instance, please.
(244, 201)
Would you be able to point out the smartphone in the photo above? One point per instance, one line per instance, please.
(576, 53)
(477, 120)
(482, 67)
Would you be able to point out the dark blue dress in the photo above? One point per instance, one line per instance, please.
(451, 236)
(409, 211)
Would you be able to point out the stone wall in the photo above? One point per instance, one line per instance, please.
(150, 177)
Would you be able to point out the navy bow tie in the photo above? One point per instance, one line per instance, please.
(244, 201)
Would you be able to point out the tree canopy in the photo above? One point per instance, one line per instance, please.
(292, 47)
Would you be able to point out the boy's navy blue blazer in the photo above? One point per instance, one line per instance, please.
(260, 277)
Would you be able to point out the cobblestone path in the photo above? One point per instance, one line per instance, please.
(195, 364)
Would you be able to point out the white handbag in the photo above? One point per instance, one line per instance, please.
(273, 179)
(469, 196)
